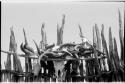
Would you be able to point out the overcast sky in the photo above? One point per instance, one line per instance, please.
(30, 16)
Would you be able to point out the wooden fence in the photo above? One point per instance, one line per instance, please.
(106, 66)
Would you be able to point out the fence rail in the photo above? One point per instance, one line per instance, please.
(106, 66)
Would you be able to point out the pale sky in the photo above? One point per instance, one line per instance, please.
(31, 16)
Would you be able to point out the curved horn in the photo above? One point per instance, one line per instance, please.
(24, 50)
(50, 46)
(67, 44)
(51, 54)
(28, 48)
(76, 47)
(22, 47)
(67, 53)
(38, 50)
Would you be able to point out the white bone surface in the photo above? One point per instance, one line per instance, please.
(59, 65)
(36, 69)
(55, 48)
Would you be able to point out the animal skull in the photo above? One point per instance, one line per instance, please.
(59, 69)
(58, 65)
(36, 68)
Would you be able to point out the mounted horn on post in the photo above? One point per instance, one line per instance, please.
(38, 50)
(28, 51)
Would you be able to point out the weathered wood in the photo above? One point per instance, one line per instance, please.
(28, 65)
(58, 35)
(98, 38)
(16, 62)
(121, 38)
(81, 34)
(97, 41)
(8, 62)
(43, 42)
(94, 60)
(60, 32)
(104, 45)
(111, 56)
(117, 62)
(62, 28)
(26, 59)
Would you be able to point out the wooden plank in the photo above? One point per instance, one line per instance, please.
(121, 38)
(111, 56)
(98, 38)
(16, 62)
(105, 49)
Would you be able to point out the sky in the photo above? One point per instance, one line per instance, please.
(30, 16)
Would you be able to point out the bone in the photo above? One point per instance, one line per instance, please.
(36, 69)
(76, 47)
(50, 46)
(26, 51)
(28, 48)
(66, 45)
(59, 66)
(38, 50)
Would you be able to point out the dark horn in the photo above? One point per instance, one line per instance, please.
(38, 50)
(66, 45)
(50, 46)
(51, 55)
(28, 48)
(77, 47)
(65, 55)
(22, 47)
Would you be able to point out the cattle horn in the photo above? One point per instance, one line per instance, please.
(76, 47)
(24, 50)
(38, 50)
(28, 48)
(45, 53)
(50, 46)
(67, 44)
(22, 47)
(67, 53)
